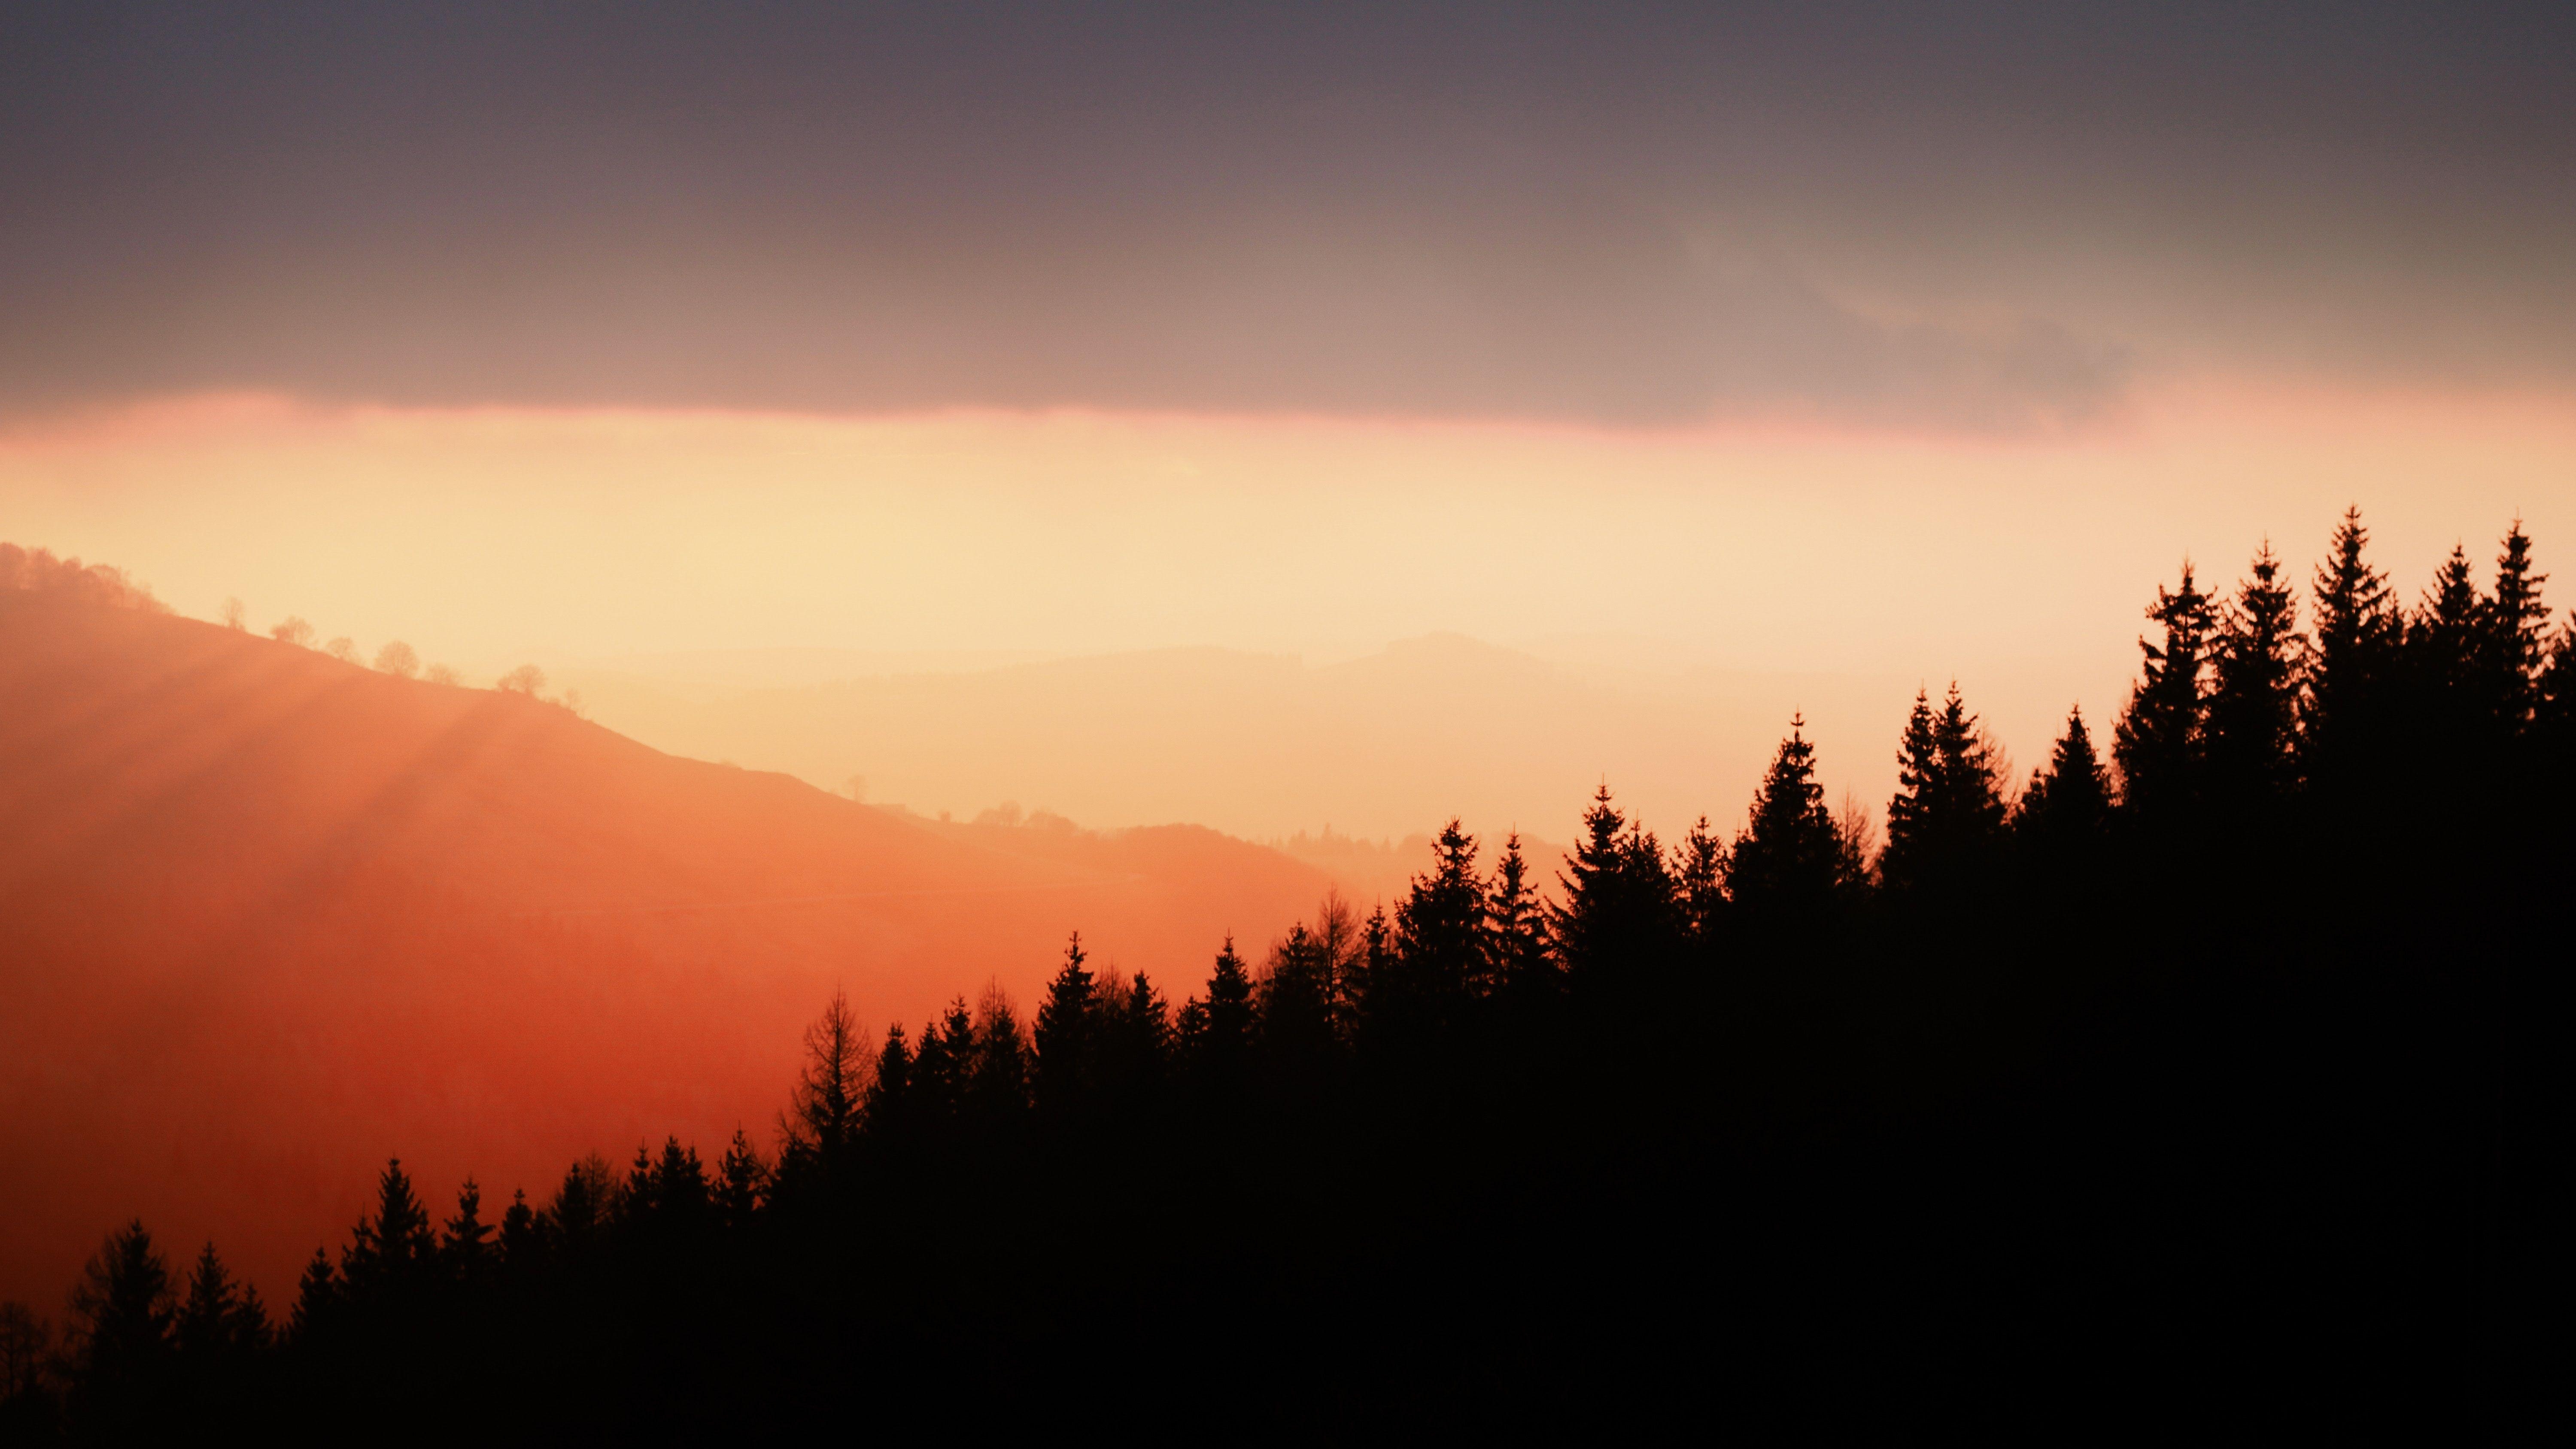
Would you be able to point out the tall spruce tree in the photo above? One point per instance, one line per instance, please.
(122, 1314)
(1516, 927)
(393, 1253)
(2254, 699)
(1440, 946)
(742, 1184)
(2065, 810)
(1945, 824)
(2515, 643)
(1617, 914)
(885, 1108)
(465, 1251)
(1787, 861)
(1699, 889)
(997, 1088)
(1216, 1031)
(1066, 1025)
(2343, 711)
(220, 1322)
(2161, 740)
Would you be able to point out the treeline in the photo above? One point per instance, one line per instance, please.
(2224, 1066)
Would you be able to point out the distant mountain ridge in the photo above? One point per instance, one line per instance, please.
(270, 916)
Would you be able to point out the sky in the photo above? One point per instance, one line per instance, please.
(1920, 341)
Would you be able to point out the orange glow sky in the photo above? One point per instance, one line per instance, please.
(1860, 339)
(484, 535)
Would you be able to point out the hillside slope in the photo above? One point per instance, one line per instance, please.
(266, 917)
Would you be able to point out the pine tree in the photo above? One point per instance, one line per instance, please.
(1294, 997)
(2342, 717)
(1440, 960)
(2515, 644)
(2161, 742)
(668, 1192)
(1787, 862)
(2066, 809)
(1699, 883)
(1065, 1027)
(393, 1253)
(885, 1107)
(122, 1319)
(584, 1204)
(1135, 1046)
(2445, 636)
(317, 1300)
(1516, 928)
(1581, 925)
(220, 1321)
(1217, 1030)
(467, 1253)
(997, 1088)
(742, 1183)
(522, 1246)
(1619, 918)
(2254, 702)
(1918, 766)
(1945, 824)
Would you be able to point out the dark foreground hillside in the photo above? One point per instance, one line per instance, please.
(2216, 1076)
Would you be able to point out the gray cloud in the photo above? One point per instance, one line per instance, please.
(1631, 215)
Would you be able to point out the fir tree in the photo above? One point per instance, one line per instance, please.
(317, 1299)
(1787, 861)
(997, 1087)
(1440, 949)
(2515, 644)
(393, 1253)
(2066, 809)
(1065, 1027)
(1516, 928)
(122, 1315)
(1618, 916)
(2342, 711)
(1217, 1031)
(1946, 821)
(220, 1321)
(1135, 1045)
(885, 1107)
(742, 1181)
(2445, 636)
(1699, 882)
(466, 1252)
(2161, 740)
(2254, 701)
(521, 1245)
(1294, 994)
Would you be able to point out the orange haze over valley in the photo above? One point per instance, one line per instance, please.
(271, 916)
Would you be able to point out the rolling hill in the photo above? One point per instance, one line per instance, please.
(267, 917)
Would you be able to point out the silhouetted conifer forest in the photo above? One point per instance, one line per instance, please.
(2218, 1072)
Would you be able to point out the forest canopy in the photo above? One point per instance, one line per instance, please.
(2223, 1051)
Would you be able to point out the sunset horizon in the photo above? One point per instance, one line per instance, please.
(1630, 717)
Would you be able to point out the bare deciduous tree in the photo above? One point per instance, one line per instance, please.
(293, 631)
(397, 659)
(441, 674)
(233, 614)
(343, 648)
(527, 679)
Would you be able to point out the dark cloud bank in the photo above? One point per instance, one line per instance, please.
(1989, 217)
